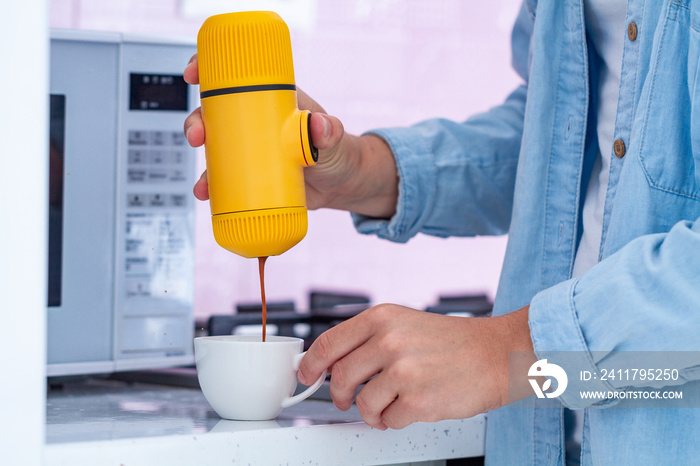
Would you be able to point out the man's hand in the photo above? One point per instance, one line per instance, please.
(353, 173)
(418, 366)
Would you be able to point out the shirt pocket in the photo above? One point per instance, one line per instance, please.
(670, 138)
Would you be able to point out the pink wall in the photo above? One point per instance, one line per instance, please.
(372, 64)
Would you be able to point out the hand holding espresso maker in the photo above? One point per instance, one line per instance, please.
(257, 140)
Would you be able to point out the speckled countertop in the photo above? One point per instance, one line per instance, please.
(114, 423)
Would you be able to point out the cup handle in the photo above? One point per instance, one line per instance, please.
(292, 400)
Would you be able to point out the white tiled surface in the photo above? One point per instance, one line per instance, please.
(107, 423)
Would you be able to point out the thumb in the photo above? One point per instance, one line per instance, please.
(326, 131)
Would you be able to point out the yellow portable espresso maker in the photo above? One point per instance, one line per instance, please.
(257, 140)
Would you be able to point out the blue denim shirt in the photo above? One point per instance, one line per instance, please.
(522, 169)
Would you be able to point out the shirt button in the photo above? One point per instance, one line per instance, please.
(619, 148)
(632, 31)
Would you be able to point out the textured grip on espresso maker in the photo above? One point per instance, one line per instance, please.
(260, 233)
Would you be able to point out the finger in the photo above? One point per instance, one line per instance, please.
(332, 345)
(201, 187)
(191, 73)
(373, 400)
(194, 128)
(307, 103)
(400, 413)
(349, 372)
(326, 131)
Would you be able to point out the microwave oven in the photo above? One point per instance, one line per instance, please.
(121, 212)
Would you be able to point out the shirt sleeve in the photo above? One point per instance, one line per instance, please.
(458, 178)
(647, 319)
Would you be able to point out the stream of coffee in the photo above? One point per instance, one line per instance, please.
(261, 269)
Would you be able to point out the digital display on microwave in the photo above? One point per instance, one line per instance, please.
(157, 92)
(57, 127)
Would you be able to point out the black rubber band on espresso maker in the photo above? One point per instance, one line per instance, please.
(240, 89)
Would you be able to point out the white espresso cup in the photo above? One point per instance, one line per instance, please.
(246, 379)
